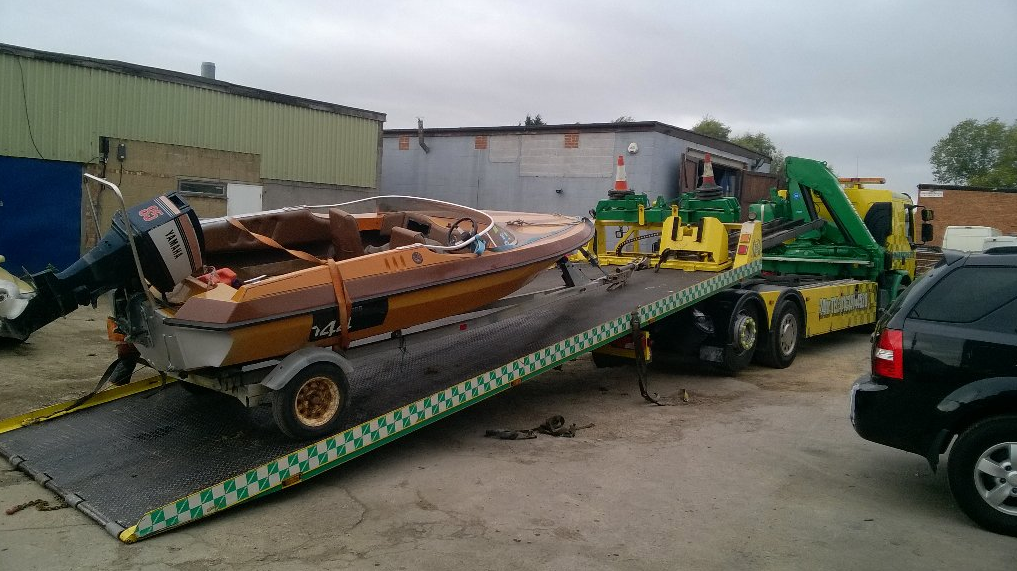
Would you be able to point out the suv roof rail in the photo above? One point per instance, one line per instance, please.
(1001, 250)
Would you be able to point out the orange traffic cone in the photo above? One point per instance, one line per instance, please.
(708, 189)
(621, 185)
(708, 179)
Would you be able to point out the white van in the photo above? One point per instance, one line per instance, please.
(968, 238)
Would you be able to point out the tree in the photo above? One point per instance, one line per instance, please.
(762, 144)
(624, 119)
(977, 153)
(533, 121)
(712, 128)
(758, 142)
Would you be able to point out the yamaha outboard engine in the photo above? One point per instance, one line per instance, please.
(168, 237)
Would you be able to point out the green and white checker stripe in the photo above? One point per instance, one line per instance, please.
(335, 450)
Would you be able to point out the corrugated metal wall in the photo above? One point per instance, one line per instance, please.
(69, 107)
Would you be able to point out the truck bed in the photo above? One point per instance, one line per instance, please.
(155, 459)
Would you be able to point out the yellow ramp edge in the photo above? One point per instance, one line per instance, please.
(61, 409)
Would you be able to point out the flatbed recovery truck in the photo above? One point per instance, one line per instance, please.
(149, 456)
(832, 258)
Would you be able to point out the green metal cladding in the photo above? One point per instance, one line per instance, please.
(68, 107)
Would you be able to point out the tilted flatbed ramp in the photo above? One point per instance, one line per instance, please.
(155, 457)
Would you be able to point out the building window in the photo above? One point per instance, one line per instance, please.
(404, 142)
(480, 142)
(571, 140)
(209, 187)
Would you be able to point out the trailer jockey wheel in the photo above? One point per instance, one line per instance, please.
(744, 328)
(312, 403)
(454, 237)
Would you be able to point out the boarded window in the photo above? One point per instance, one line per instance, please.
(480, 142)
(211, 187)
(404, 142)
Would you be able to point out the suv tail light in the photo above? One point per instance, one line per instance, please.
(888, 354)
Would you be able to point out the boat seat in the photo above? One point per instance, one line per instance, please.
(291, 228)
(345, 235)
(405, 237)
(390, 220)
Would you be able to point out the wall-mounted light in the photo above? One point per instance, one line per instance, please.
(558, 190)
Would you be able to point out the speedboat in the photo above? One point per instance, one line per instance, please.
(243, 289)
(332, 275)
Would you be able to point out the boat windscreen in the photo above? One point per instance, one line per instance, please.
(423, 206)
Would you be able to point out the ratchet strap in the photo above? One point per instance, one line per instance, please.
(342, 298)
(272, 243)
(343, 305)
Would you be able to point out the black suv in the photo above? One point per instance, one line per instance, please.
(944, 369)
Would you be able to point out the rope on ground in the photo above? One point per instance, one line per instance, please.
(40, 504)
(553, 426)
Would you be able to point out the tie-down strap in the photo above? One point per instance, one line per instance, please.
(342, 298)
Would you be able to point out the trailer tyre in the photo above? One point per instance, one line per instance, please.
(779, 347)
(744, 328)
(312, 403)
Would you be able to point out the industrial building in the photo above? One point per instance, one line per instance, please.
(226, 147)
(562, 168)
(958, 205)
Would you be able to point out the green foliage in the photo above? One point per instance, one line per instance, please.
(624, 119)
(758, 142)
(533, 121)
(762, 144)
(977, 154)
(712, 128)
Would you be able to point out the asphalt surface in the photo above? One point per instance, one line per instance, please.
(759, 471)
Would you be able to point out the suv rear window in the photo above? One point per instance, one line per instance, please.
(967, 294)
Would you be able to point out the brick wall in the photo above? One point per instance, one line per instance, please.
(972, 208)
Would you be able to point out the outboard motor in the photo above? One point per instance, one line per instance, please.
(168, 237)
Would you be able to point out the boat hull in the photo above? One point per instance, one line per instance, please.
(191, 345)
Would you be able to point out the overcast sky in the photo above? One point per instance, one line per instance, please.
(868, 86)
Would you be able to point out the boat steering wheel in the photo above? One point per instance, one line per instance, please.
(456, 238)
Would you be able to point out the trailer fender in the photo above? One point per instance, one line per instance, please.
(298, 361)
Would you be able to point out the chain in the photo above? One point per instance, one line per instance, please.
(40, 504)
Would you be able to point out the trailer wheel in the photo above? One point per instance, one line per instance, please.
(779, 347)
(312, 403)
(744, 328)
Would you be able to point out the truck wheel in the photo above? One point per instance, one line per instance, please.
(983, 473)
(312, 403)
(744, 328)
(779, 347)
